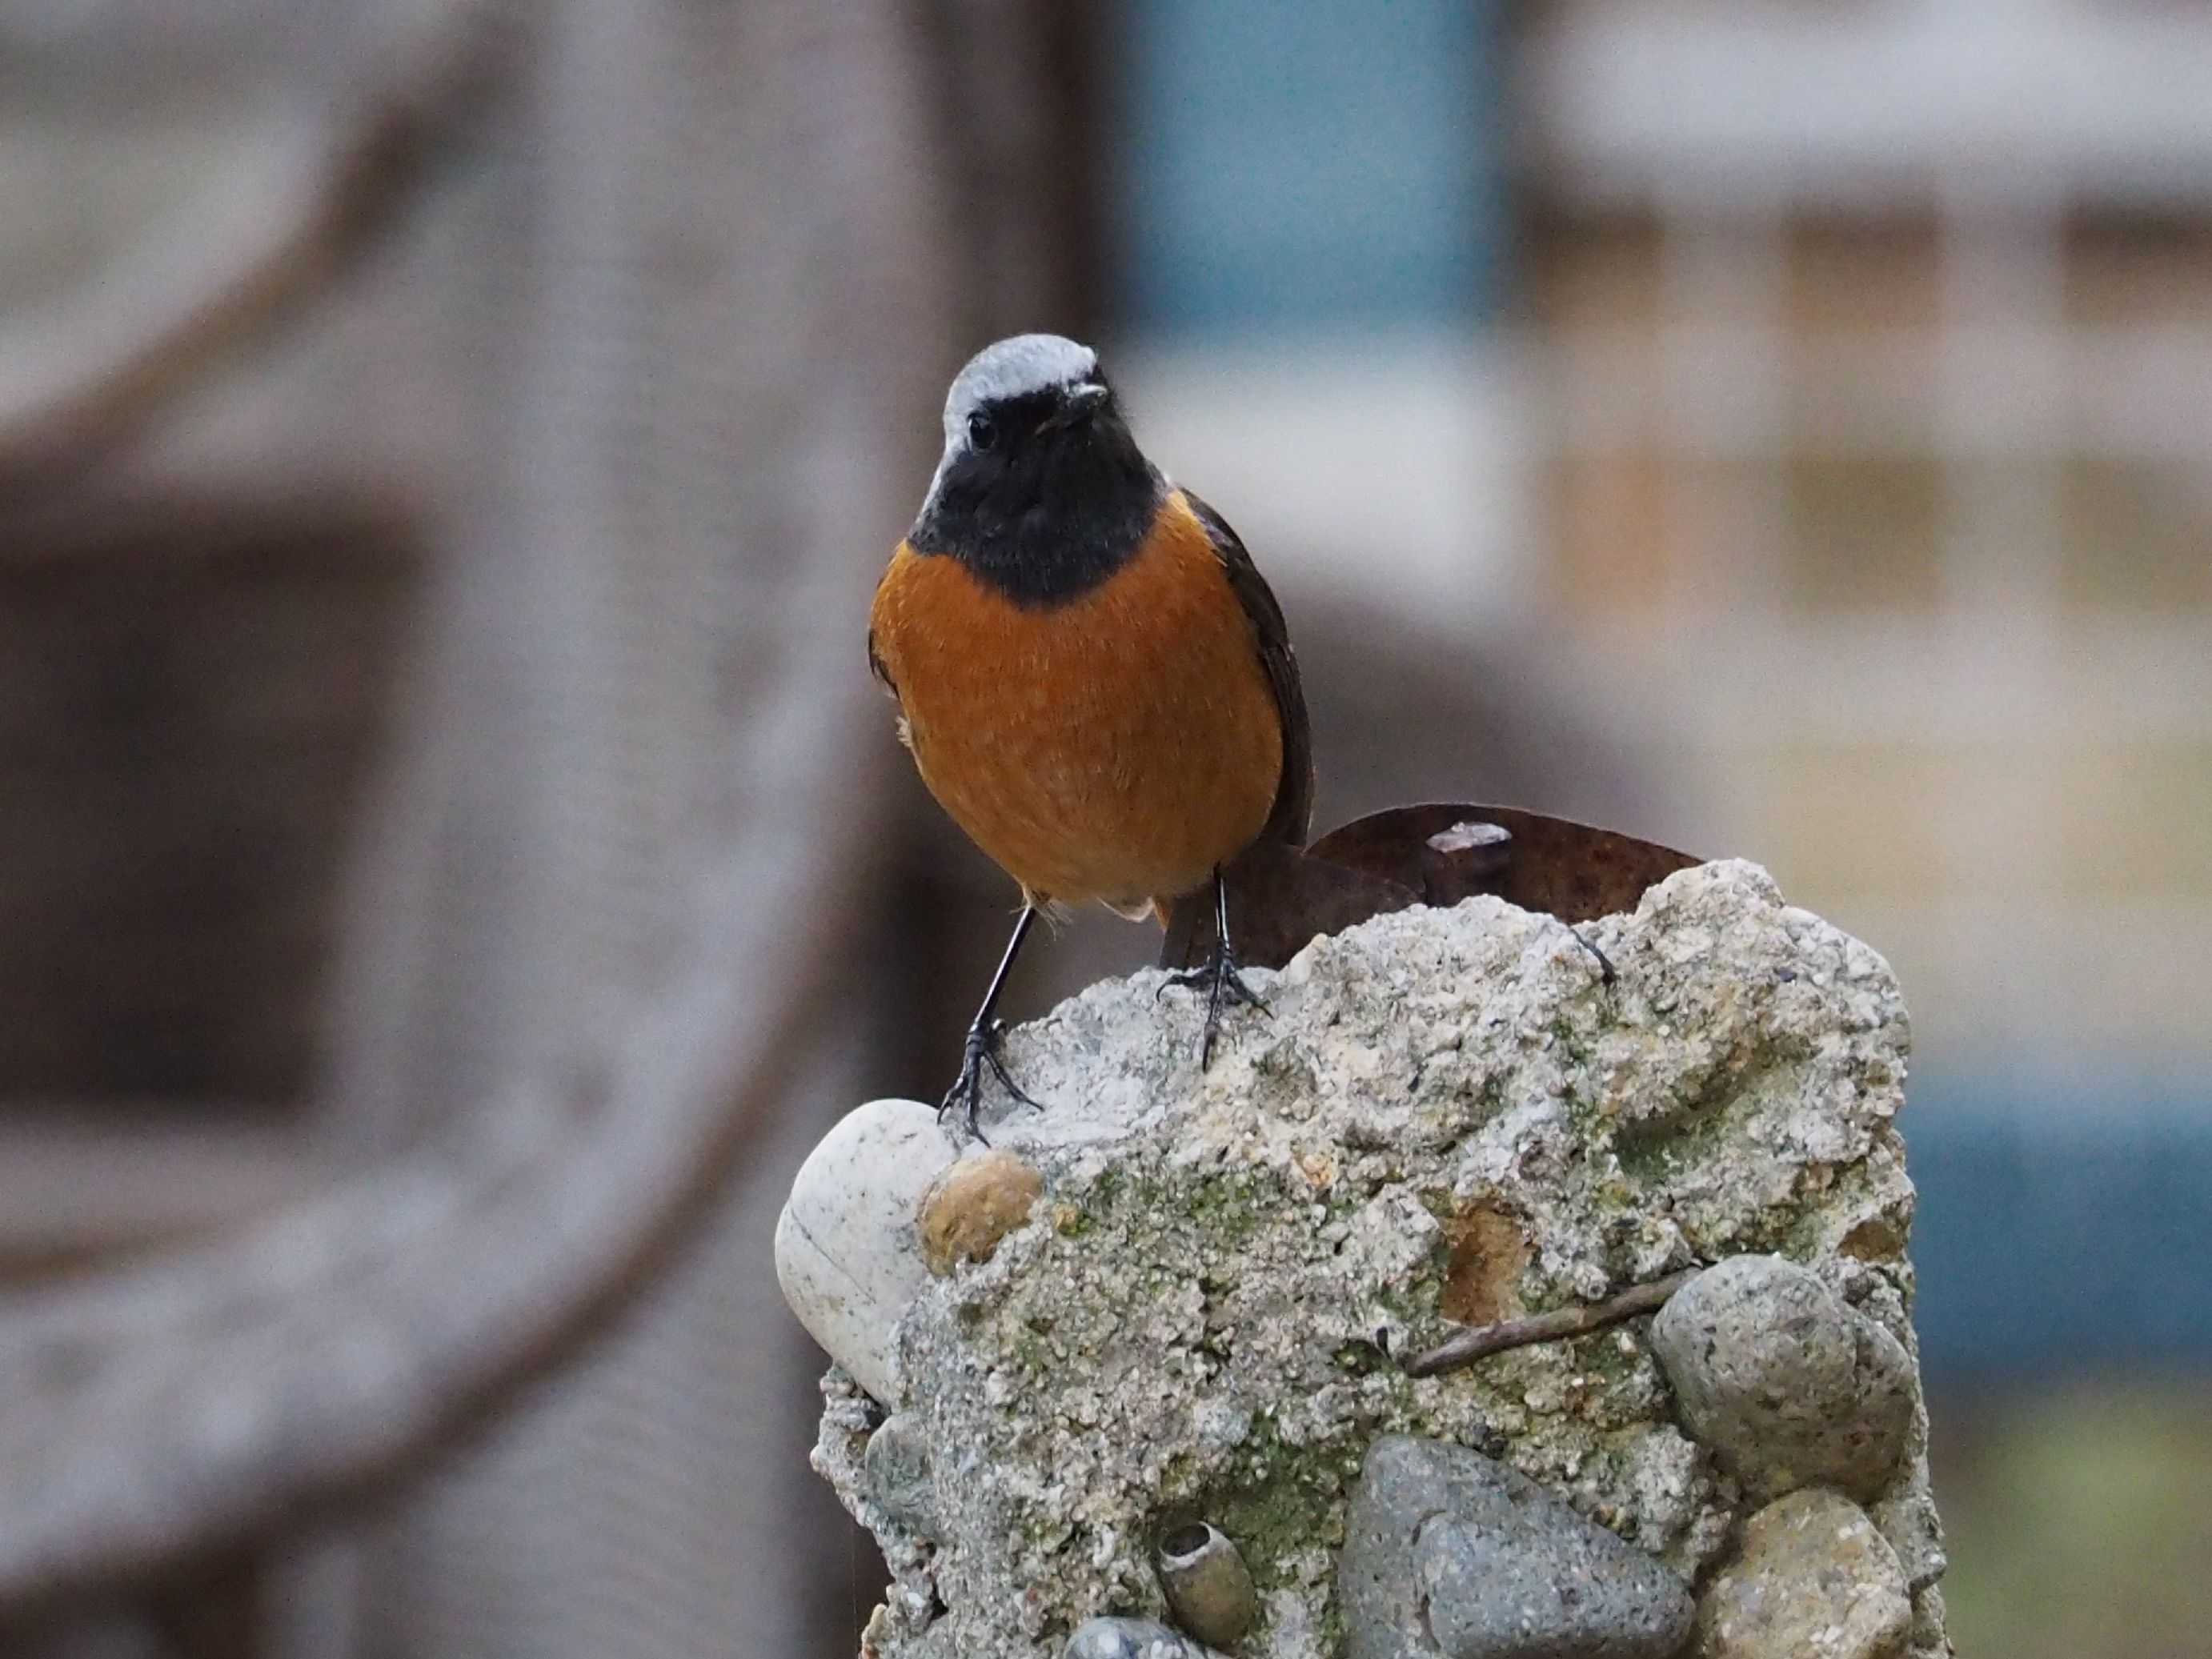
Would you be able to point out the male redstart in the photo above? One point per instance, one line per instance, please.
(1094, 679)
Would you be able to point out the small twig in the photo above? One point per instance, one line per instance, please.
(1480, 1341)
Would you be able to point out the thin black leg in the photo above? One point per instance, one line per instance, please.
(980, 1052)
(1218, 973)
(1605, 973)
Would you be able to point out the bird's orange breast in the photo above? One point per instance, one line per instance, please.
(1116, 747)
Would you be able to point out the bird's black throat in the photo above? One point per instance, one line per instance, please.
(1055, 503)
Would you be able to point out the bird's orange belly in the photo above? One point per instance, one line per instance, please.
(1116, 747)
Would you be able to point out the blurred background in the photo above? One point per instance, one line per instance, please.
(453, 863)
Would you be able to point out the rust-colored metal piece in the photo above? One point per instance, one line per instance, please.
(1575, 872)
(1280, 898)
(1438, 853)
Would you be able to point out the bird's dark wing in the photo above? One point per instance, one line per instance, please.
(875, 665)
(1293, 814)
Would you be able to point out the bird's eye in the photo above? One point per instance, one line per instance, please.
(983, 431)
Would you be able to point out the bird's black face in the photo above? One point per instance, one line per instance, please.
(1043, 494)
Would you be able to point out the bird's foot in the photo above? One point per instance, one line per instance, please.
(978, 1056)
(1224, 983)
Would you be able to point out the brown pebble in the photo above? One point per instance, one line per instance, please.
(974, 1205)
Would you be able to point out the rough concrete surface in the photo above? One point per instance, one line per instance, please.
(1442, 1109)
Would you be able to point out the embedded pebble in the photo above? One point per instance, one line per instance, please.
(977, 1202)
(846, 1253)
(1787, 1385)
(899, 1471)
(1129, 1638)
(1447, 1553)
(1814, 1580)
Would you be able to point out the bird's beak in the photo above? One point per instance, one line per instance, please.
(1082, 402)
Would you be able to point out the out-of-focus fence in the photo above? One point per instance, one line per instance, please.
(447, 448)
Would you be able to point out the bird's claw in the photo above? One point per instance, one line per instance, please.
(1220, 973)
(978, 1055)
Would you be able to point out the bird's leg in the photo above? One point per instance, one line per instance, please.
(980, 1052)
(1218, 973)
(1605, 973)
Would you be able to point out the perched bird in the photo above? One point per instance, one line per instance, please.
(1093, 678)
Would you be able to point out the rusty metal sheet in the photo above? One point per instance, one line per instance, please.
(1279, 899)
(1438, 852)
(1575, 872)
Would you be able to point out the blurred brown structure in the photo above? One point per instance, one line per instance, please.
(442, 449)
(1872, 347)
